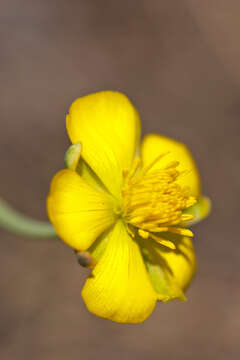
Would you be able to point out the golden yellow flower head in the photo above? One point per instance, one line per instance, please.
(125, 208)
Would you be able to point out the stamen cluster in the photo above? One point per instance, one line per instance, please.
(153, 201)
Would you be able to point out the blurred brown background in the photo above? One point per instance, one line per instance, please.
(179, 61)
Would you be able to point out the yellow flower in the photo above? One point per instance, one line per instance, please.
(127, 207)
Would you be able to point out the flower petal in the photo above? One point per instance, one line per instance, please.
(155, 145)
(119, 288)
(170, 271)
(73, 161)
(79, 212)
(107, 126)
(182, 262)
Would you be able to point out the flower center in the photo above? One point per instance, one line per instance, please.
(153, 202)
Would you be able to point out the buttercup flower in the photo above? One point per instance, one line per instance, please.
(126, 208)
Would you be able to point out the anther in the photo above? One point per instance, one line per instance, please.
(187, 217)
(169, 244)
(171, 165)
(143, 234)
(181, 231)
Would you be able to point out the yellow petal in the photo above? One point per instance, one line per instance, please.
(89, 176)
(78, 212)
(119, 288)
(107, 126)
(73, 161)
(182, 262)
(171, 271)
(155, 145)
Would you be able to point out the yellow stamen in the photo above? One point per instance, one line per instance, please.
(128, 174)
(147, 168)
(169, 244)
(187, 217)
(131, 232)
(181, 231)
(153, 201)
(145, 235)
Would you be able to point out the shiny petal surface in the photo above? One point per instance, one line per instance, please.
(155, 145)
(78, 212)
(119, 287)
(107, 126)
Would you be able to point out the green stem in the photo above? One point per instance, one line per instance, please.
(19, 224)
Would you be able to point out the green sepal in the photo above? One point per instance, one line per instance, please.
(72, 156)
(200, 211)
